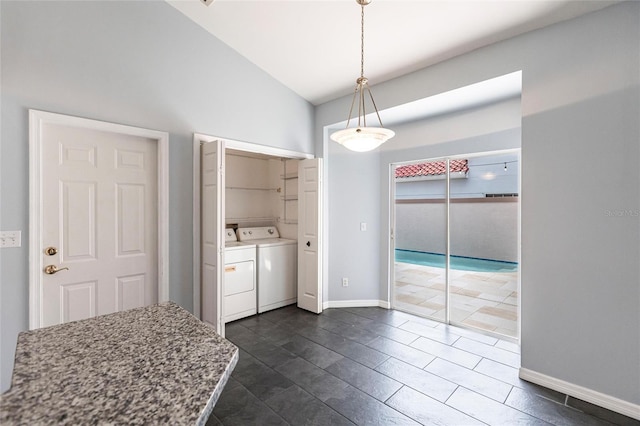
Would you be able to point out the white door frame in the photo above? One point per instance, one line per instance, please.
(391, 275)
(36, 121)
(198, 139)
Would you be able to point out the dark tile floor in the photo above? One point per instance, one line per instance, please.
(374, 366)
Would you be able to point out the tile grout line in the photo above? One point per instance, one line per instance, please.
(294, 384)
(409, 345)
(450, 345)
(458, 384)
(459, 411)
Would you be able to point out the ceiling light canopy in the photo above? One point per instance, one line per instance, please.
(362, 138)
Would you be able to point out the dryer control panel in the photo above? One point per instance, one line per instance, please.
(257, 233)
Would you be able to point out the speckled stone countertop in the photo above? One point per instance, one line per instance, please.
(153, 365)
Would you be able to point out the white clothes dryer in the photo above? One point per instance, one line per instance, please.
(277, 266)
(240, 283)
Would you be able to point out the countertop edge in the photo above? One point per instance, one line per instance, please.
(215, 395)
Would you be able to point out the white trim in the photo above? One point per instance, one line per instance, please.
(355, 304)
(585, 394)
(264, 149)
(198, 139)
(163, 215)
(36, 120)
(391, 233)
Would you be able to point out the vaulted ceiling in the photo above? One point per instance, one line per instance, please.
(313, 47)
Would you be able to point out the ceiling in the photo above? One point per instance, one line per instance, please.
(313, 46)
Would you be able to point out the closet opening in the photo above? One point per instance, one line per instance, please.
(261, 233)
(254, 205)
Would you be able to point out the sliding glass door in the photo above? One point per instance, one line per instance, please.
(420, 272)
(456, 241)
(483, 215)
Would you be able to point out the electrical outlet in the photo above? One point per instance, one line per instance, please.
(363, 226)
(345, 282)
(10, 239)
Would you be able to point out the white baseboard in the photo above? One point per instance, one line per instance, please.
(355, 304)
(600, 399)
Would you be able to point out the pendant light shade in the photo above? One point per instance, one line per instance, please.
(362, 138)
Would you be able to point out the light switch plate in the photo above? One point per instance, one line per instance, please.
(10, 239)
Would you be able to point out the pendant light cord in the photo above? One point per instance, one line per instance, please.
(361, 107)
(362, 41)
(362, 84)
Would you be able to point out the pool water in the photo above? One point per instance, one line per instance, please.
(457, 262)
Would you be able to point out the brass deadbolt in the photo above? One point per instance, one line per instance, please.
(50, 251)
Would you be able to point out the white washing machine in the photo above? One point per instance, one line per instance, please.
(240, 283)
(277, 266)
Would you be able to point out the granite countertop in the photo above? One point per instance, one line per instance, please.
(152, 365)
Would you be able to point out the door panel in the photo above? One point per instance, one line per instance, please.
(100, 210)
(130, 292)
(79, 214)
(130, 221)
(309, 232)
(78, 301)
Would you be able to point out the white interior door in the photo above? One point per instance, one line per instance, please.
(100, 216)
(309, 235)
(212, 218)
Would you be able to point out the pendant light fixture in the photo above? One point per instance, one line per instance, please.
(362, 138)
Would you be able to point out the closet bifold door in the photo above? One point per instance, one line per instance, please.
(310, 235)
(212, 218)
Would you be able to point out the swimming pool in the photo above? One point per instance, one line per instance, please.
(457, 262)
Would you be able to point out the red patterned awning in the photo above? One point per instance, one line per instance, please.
(433, 168)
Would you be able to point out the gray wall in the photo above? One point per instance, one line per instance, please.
(137, 63)
(580, 272)
(348, 208)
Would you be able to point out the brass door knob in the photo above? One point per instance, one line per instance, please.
(52, 269)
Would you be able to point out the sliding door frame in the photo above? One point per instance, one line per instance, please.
(392, 236)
